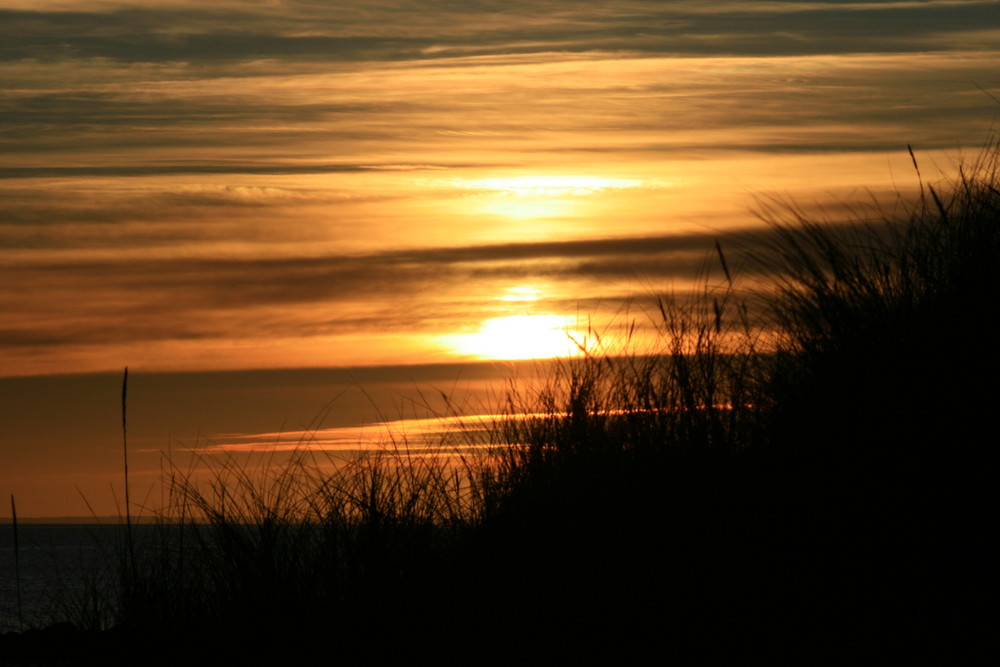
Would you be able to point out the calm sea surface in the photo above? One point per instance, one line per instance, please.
(65, 570)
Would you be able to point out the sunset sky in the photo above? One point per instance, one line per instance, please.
(264, 208)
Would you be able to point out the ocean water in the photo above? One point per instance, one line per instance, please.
(66, 573)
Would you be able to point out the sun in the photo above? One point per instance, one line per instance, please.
(518, 337)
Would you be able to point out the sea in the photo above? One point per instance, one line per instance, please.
(58, 572)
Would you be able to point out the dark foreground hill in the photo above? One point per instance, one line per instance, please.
(821, 493)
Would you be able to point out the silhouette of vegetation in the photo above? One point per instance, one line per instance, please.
(807, 482)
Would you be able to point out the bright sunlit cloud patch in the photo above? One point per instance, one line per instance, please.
(521, 293)
(527, 208)
(523, 197)
(409, 435)
(550, 186)
(518, 337)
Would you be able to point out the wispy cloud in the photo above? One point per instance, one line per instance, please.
(128, 297)
(223, 32)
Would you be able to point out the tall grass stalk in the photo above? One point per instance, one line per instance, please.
(17, 564)
(128, 502)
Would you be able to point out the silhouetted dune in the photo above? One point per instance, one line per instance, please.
(822, 494)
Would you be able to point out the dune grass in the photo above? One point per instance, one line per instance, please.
(799, 462)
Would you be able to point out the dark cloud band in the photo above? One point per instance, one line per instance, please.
(316, 32)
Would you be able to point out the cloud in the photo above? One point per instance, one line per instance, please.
(142, 170)
(120, 302)
(225, 33)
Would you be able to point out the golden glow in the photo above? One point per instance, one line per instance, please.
(522, 197)
(550, 186)
(527, 208)
(521, 293)
(518, 337)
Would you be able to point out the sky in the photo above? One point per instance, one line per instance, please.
(291, 217)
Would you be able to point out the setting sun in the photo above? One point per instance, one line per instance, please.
(518, 337)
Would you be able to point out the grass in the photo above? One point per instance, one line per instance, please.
(801, 466)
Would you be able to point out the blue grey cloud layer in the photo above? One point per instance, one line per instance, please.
(390, 31)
